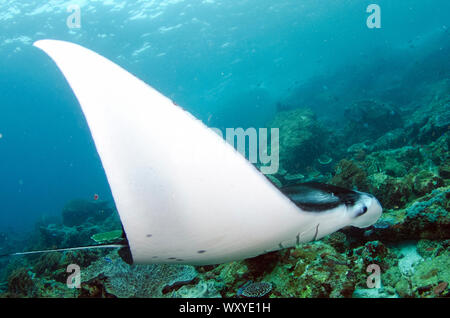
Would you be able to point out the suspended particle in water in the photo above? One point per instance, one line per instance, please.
(1, 135)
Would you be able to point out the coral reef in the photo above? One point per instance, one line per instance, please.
(79, 211)
(370, 119)
(47, 263)
(302, 139)
(399, 155)
(103, 222)
(95, 288)
(20, 283)
(424, 218)
(349, 175)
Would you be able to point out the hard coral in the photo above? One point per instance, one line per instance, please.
(20, 283)
(424, 218)
(258, 289)
(302, 139)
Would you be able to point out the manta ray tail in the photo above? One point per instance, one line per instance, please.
(66, 249)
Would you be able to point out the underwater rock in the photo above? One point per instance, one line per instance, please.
(47, 263)
(52, 235)
(371, 119)
(105, 275)
(64, 236)
(432, 248)
(430, 121)
(431, 277)
(358, 147)
(201, 290)
(439, 151)
(60, 236)
(260, 265)
(395, 162)
(375, 252)
(426, 181)
(393, 193)
(397, 192)
(396, 138)
(83, 258)
(20, 283)
(403, 288)
(444, 171)
(95, 288)
(178, 283)
(3, 238)
(398, 176)
(349, 175)
(391, 276)
(409, 258)
(338, 240)
(78, 211)
(383, 292)
(313, 270)
(424, 218)
(302, 139)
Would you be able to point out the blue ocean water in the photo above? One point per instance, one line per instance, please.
(227, 62)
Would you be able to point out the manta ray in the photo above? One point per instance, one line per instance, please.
(183, 194)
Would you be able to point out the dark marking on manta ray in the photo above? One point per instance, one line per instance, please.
(172, 258)
(155, 257)
(319, 197)
(149, 235)
(180, 260)
(201, 251)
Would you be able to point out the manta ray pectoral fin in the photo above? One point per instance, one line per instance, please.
(183, 194)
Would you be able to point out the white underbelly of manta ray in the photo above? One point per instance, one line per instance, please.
(183, 194)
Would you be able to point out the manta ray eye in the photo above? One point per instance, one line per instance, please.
(361, 211)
